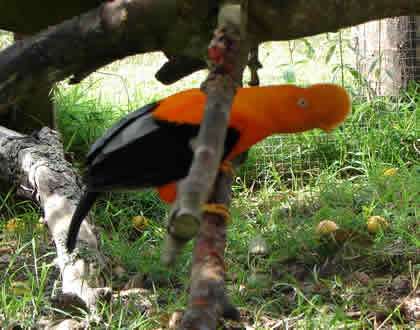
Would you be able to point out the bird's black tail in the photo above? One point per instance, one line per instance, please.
(82, 210)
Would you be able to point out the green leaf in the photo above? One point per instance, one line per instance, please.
(372, 65)
(289, 76)
(330, 53)
(310, 51)
(389, 73)
(353, 72)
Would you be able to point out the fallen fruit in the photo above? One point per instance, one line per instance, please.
(140, 222)
(375, 222)
(390, 171)
(19, 288)
(326, 226)
(14, 224)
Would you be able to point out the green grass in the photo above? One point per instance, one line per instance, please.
(286, 187)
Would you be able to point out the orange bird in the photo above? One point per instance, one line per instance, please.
(150, 148)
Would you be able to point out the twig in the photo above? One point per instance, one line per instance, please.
(208, 301)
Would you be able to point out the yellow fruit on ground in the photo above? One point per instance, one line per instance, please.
(14, 224)
(375, 222)
(140, 222)
(390, 171)
(326, 226)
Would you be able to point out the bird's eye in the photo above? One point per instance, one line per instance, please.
(302, 102)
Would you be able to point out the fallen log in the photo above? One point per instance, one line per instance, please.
(36, 165)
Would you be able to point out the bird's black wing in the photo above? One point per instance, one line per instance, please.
(130, 128)
(143, 152)
(109, 140)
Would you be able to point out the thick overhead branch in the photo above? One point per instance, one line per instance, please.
(121, 28)
(29, 17)
(36, 165)
(293, 19)
(269, 19)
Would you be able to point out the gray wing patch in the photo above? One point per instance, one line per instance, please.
(128, 129)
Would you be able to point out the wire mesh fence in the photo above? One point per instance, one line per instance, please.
(386, 53)
(380, 59)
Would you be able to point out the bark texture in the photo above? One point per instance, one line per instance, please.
(32, 113)
(227, 53)
(36, 165)
(269, 19)
(226, 66)
(33, 16)
(208, 302)
(77, 47)
(387, 54)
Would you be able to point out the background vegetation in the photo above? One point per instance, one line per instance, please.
(281, 273)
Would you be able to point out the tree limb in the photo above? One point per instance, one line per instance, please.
(227, 56)
(220, 87)
(269, 19)
(178, 67)
(81, 45)
(29, 17)
(121, 28)
(208, 302)
(37, 164)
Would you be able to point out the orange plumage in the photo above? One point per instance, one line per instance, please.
(259, 112)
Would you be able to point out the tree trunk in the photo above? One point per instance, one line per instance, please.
(386, 54)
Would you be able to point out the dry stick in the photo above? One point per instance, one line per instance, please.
(207, 300)
(36, 165)
(220, 87)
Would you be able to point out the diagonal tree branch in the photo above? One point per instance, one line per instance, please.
(220, 86)
(81, 45)
(208, 302)
(227, 56)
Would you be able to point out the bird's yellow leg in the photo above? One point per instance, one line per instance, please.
(220, 209)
